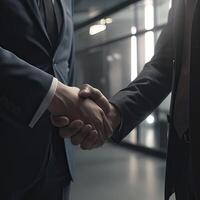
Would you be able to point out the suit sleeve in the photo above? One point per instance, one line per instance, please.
(22, 88)
(45, 103)
(149, 89)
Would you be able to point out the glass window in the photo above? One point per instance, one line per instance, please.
(123, 23)
(115, 49)
(141, 52)
(112, 71)
(161, 11)
(118, 25)
(145, 15)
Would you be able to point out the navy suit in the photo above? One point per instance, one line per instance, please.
(28, 62)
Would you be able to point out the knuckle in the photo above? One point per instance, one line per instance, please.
(87, 128)
(98, 92)
(86, 86)
(101, 112)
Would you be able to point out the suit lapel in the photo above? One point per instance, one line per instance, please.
(179, 34)
(179, 16)
(179, 28)
(33, 8)
(62, 26)
(32, 5)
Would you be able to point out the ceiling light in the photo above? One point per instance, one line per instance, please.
(109, 21)
(95, 29)
(103, 21)
(133, 30)
(150, 119)
(106, 21)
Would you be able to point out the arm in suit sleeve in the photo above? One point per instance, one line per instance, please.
(45, 103)
(22, 88)
(150, 88)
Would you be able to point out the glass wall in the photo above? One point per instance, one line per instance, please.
(112, 51)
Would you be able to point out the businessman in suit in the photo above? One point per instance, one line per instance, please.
(174, 68)
(36, 74)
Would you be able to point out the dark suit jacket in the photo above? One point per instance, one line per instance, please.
(158, 78)
(26, 68)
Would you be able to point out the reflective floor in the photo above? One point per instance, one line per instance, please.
(115, 173)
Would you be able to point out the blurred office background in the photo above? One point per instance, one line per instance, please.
(114, 39)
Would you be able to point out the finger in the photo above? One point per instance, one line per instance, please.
(59, 121)
(80, 136)
(91, 141)
(72, 129)
(108, 130)
(98, 142)
(98, 124)
(103, 127)
(87, 91)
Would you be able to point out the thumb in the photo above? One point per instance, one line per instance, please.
(59, 121)
(87, 91)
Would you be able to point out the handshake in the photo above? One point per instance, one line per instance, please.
(83, 115)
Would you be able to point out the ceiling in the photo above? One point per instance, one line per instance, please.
(87, 9)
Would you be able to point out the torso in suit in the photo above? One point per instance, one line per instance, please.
(27, 66)
(159, 77)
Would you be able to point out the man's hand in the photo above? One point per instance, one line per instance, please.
(67, 105)
(81, 134)
(113, 114)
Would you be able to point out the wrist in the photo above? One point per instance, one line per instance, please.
(65, 100)
(58, 99)
(115, 116)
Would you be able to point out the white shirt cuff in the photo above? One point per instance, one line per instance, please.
(45, 103)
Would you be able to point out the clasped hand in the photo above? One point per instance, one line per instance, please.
(83, 115)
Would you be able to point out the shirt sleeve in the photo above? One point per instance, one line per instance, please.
(45, 103)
